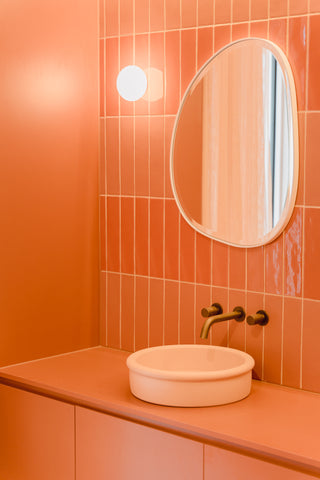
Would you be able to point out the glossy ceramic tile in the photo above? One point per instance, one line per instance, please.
(310, 346)
(113, 234)
(163, 261)
(312, 195)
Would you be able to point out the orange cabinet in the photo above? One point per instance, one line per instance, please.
(36, 437)
(223, 464)
(112, 448)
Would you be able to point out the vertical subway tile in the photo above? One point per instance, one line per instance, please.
(141, 54)
(293, 255)
(172, 18)
(222, 36)
(254, 333)
(278, 8)
(312, 253)
(237, 267)
(126, 58)
(298, 7)
(156, 312)
(102, 157)
(310, 346)
(240, 10)
(155, 94)
(314, 66)
(187, 303)
(219, 333)
(222, 11)
(187, 247)
(171, 314)
(259, 29)
(127, 235)
(112, 70)
(156, 238)
(314, 6)
(255, 269)
(113, 310)
(205, 45)
(141, 173)
(188, 13)
(259, 10)
(141, 16)
(113, 234)
(126, 17)
(171, 240)
(203, 259)
(127, 313)
(220, 261)
(188, 58)
(312, 193)
(274, 266)
(240, 30)
(292, 341)
(205, 12)
(127, 155)
(111, 17)
(157, 157)
(103, 310)
(168, 130)
(272, 339)
(141, 313)
(278, 32)
(302, 142)
(141, 236)
(297, 54)
(156, 15)
(103, 232)
(203, 299)
(237, 330)
(102, 45)
(172, 72)
(112, 156)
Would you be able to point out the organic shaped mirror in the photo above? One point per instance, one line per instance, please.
(234, 151)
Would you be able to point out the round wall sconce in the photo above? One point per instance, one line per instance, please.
(132, 83)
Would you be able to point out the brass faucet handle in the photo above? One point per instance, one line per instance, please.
(215, 309)
(260, 318)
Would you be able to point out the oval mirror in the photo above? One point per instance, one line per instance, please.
(234, 150)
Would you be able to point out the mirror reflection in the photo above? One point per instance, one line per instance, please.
(234, 154)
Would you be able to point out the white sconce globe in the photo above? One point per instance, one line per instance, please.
(131, 83)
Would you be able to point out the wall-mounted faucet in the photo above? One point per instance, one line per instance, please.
(237, 314)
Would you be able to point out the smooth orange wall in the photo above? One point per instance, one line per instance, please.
(48, 178)
(156, 271)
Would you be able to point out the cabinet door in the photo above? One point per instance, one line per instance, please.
(222, 464)
(36, 437)
(112, 448)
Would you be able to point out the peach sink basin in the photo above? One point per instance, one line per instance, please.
(190, 375)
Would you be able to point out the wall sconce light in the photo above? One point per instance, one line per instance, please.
(132, 83)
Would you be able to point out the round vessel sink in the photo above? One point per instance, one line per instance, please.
(190, 375)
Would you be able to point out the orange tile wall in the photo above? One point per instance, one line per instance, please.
(49, 255)
(156, 272)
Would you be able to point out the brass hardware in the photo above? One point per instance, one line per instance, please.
(237, 314)
(260, 318)
(215, 309)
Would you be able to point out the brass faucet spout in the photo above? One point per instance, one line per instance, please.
(237, 314)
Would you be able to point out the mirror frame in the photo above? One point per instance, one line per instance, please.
(293, 123)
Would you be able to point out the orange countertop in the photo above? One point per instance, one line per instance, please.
(276, 423)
